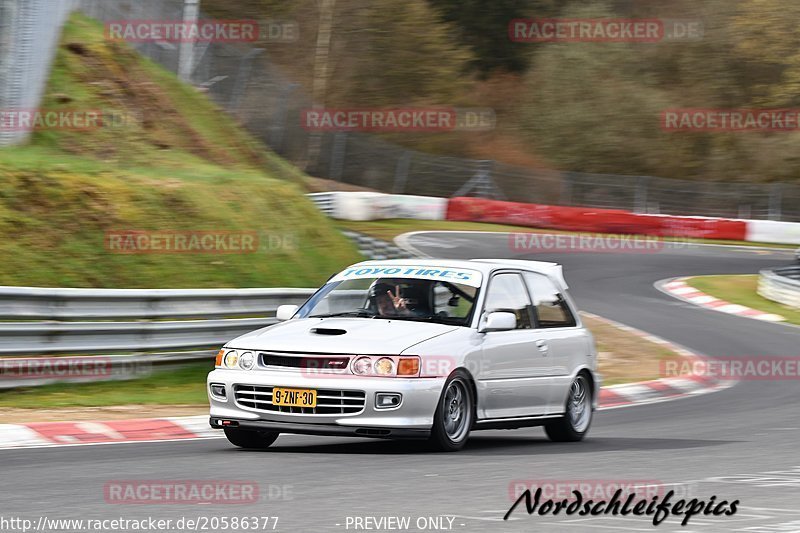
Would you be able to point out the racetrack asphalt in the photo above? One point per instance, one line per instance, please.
(741, 443)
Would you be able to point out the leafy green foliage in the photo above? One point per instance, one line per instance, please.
(179, 164)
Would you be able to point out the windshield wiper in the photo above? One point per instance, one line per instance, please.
(361, 313)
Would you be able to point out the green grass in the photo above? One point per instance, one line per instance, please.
(742, 290)
(179, 386)
(178, 163)
(389, 229)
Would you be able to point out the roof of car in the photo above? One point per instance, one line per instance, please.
(486, 266)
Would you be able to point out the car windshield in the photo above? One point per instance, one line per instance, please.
(424, 300)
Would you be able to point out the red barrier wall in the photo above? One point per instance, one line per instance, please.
(590, 220)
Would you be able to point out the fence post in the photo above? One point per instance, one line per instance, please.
(191, 12)
(401, 173)
(319, 84)
(640, 200)
(279, 122)
(337, 155)
(242, 77)
(7, 22)
(487, 186)
(566, 189)
(775, 201)
(745, 211)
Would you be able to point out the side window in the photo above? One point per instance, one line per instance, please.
(507, 293)
(549, 306)
(449, 304)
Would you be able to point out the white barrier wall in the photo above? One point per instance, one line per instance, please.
(378, 206)
(773, 231)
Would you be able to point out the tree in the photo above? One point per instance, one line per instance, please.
(394, 53)
(483, 27)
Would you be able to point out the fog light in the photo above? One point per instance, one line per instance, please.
(218, 391)
(387, 400)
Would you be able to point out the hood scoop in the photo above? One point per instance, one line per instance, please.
(328, 331)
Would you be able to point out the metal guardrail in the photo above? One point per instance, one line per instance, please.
(20, 303)
(37, 371)
(24, 344)
(147, 327)
(109, 337)
(781, 285)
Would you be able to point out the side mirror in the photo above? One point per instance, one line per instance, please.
(497, 321)
(285, 312)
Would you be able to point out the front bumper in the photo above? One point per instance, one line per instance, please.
(412, 418)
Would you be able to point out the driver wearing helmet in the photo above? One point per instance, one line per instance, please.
(385, 299)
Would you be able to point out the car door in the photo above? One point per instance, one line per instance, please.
(514, 378)
(561, 342)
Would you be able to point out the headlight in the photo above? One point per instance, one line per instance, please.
(231, 358)
(384, 366)
(247, 360)
(362, 366)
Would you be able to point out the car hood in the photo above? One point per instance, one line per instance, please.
(340, 335)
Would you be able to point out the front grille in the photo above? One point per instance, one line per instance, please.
(304, 361)
(329, 401)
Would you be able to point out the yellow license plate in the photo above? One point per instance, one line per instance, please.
(294, 397)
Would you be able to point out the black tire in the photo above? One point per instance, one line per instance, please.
(455, 414)
(573, 427)
(251, 440)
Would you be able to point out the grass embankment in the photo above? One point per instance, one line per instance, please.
(176, 386)
(173, 161)
(742, 290)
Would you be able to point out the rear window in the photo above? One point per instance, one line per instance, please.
(550, 308)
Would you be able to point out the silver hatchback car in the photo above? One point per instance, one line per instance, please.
(428, 349)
